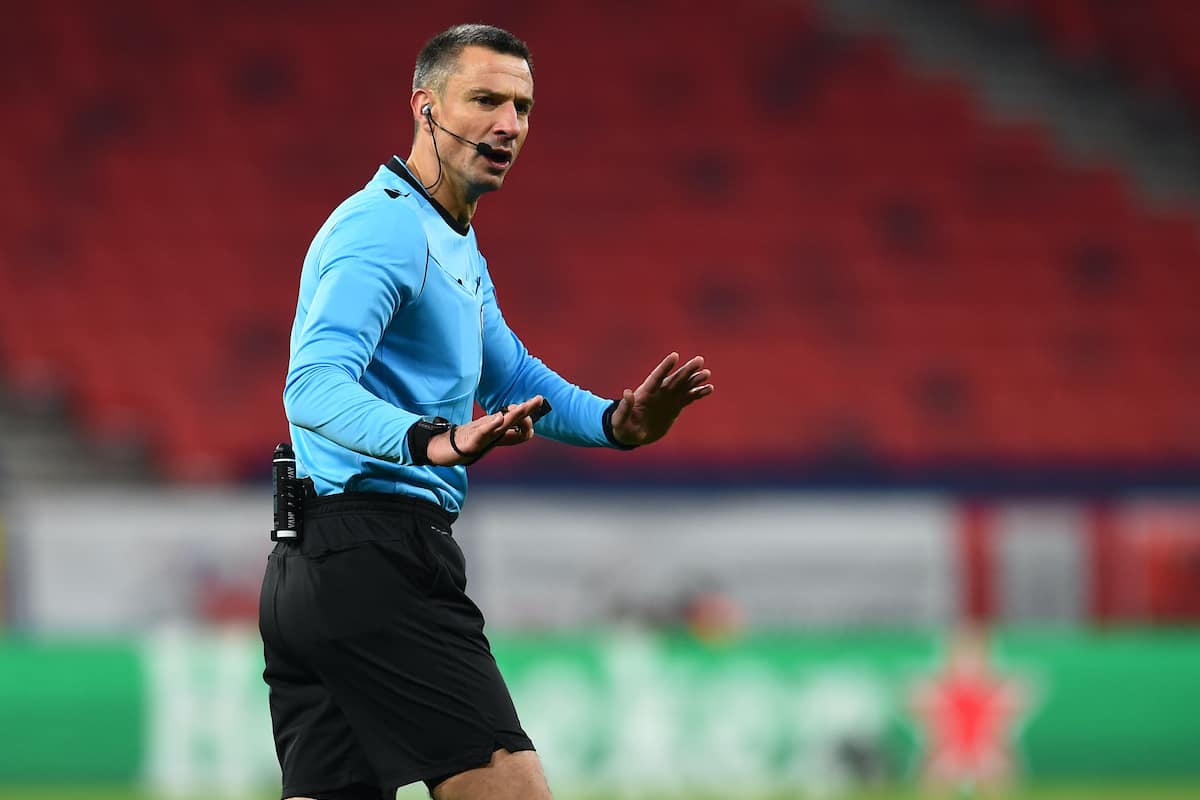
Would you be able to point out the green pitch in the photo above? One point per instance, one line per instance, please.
(1079, 791)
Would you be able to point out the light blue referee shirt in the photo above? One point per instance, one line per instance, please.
(397, 320)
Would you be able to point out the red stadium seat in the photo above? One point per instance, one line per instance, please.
(852, 245)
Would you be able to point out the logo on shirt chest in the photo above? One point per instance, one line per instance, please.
(465, 283)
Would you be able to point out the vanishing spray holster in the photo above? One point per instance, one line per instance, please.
(290, 492)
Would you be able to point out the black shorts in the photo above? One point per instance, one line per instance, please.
(378, 669)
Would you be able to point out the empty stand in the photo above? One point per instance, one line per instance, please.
(875, 270)
(1152, 42)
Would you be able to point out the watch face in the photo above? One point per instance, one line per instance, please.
(420, 434)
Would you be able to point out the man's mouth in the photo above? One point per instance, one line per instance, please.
(498, 157)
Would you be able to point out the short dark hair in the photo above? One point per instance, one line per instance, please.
(439, 54)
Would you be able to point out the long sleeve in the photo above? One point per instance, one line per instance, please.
(370, 265)
(511, 374)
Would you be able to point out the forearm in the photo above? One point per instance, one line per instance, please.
(512, 375)
(325, 400)
(578, 416)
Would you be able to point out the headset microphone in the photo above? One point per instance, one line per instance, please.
(483, 148)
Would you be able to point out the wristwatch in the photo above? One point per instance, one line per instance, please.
(419, 435)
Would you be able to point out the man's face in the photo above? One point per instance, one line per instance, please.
(487, 98)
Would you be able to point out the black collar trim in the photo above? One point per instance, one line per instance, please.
(397, 166)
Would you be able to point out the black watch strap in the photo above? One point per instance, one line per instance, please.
(419, 435)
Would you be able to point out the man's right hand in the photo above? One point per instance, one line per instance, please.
(512, 427)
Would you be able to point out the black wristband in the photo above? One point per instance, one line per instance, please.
(606, 420)
(419, 435)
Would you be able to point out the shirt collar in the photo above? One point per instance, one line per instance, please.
(400, 168)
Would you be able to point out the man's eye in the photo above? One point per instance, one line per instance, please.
(487, 101)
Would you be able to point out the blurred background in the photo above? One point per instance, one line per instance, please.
(936, 534)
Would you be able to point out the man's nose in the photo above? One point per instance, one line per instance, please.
(508, 122)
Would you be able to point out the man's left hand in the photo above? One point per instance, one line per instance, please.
(645, 414)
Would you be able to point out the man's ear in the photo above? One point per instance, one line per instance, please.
(422, 101)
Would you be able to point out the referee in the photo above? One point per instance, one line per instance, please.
(379, 672)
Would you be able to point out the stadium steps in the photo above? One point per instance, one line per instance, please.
(1151, 44)
(39, 448)
(1095, 116)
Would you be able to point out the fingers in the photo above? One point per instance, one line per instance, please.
(521, 411)
(688, 382)
(696, 393)
(624, 406)
(474, 435)
(518, 433)
(623, 425)
(655, 378)
(681, 376)
(475, 438)
(662, 378)
(518, 426)
(697, 386)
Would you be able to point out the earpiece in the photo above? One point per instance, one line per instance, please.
(425, 110)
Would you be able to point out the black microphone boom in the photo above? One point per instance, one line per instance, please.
(483, 148)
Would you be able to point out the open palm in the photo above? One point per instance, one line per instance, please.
(645, 414)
